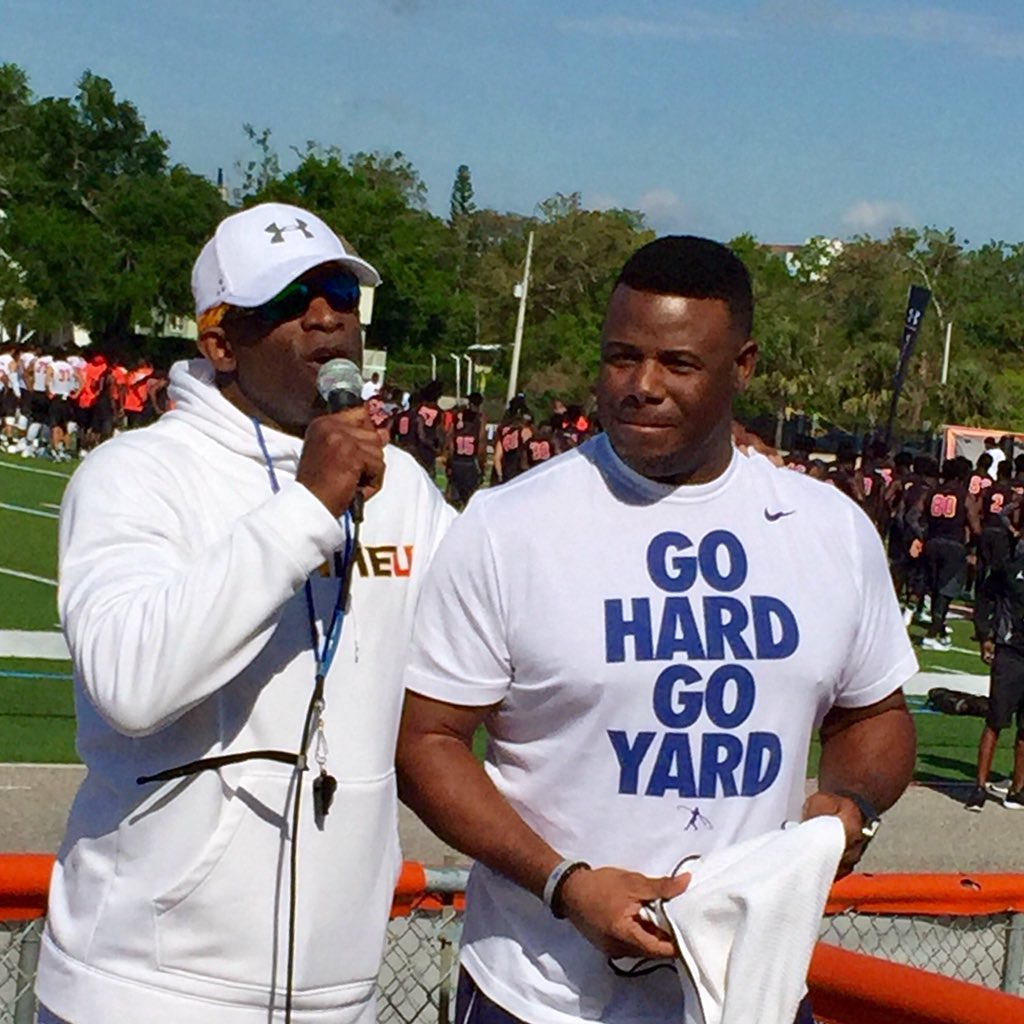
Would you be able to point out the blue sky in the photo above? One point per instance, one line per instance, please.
(784, 118)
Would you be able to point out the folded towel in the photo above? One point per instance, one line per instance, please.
(746, 926)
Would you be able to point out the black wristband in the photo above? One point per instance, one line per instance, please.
(870, 818)
(556, 894)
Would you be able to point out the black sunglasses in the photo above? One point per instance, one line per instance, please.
(341, 290)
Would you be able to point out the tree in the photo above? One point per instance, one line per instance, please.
(577, 255)
(377, 202)
(103, 231)
(461, 205)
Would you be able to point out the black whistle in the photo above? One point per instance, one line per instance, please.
(324, 787)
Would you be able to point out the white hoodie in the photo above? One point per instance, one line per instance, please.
(182, 599)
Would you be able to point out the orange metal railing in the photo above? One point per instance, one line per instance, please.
(846, 987)
(851, 988)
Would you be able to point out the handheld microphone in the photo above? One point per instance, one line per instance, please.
(341, 386)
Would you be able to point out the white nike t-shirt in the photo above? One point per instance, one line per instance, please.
(661, 657)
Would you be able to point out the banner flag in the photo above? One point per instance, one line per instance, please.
(917, 303)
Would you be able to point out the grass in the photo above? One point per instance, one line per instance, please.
(37, 713)
(31, 547)
(38, 719)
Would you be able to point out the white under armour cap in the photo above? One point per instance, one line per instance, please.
(255, 253)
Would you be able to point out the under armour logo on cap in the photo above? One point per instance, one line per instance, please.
(277, 234)
(247, 262)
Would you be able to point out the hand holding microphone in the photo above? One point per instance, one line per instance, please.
(342, 459)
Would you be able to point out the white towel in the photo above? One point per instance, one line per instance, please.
(747, 924)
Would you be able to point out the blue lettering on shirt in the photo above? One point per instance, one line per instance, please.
(726, 626)
(678, 633)
(617, 627)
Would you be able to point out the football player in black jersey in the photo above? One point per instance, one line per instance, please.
(949, 518)
(466, 453)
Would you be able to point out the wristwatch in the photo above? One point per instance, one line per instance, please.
(872, 820)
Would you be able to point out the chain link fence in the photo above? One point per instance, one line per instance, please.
(418, 973)
(985, 950)
(19, 951)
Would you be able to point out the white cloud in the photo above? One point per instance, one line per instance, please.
(691, 25)
(875, 217)
(982, 33)
(601, 201)
(965, 30)
(665, 211)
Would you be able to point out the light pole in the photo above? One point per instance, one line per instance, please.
(945, 353)
(469, 373)
(433, 366)
(458, 376)
(521, 288)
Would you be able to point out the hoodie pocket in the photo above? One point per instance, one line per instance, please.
(226, 918)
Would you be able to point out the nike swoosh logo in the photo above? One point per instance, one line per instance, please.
(772, 516)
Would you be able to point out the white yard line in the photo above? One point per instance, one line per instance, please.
(31, 643)
(26, 576)
(33, 469)
(28, 511)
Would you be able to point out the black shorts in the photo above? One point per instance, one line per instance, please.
(8, 404)
(947, 566)
(61, 413)
(101, 419)
(1006, 689)
(465, 478)
(39, 407)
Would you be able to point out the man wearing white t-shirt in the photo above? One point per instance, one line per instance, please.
(650, 668)
(371, 389)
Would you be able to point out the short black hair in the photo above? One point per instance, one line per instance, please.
(959, 467)
(432, 392)
(695, 268)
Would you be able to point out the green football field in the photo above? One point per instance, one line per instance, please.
(36, 709)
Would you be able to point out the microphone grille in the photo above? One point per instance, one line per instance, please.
(339, 375)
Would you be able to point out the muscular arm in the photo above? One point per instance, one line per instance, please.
(442, 781)
(870, 751)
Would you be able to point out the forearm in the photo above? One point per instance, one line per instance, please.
(873, 757)
(441, 780)
(192, 623)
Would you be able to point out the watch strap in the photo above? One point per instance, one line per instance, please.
(869, 815)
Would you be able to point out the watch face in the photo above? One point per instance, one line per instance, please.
(870, 828)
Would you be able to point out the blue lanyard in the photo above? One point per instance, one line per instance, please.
(324, 655)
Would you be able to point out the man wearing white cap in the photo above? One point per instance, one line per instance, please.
(238, 646)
